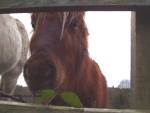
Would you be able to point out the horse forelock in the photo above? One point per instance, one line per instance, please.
(67, 15)
(64, 17)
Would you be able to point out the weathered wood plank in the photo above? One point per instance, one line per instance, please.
(7, 6)
(140, 57)
(13, 107)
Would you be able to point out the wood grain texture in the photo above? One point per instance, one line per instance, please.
(13, 6)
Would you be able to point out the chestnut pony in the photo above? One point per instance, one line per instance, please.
(60, 60)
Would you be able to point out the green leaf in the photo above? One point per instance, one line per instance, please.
(71, 98)
(44, 96)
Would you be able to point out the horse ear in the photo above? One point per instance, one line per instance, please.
(82, 13)
(34, 18)
(33, 21)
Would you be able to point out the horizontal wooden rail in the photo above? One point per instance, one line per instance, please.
(20, 6)
(14, 107)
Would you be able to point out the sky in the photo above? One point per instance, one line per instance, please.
(109, 42)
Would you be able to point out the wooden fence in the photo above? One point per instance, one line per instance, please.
(14, 107)
(9, 6)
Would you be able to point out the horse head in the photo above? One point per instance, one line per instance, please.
(59, 58)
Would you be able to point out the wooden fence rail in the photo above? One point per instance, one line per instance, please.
(14, 107)
(13, 6)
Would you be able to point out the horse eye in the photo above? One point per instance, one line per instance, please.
(74, 24)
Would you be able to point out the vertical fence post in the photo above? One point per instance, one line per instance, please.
(140, 59)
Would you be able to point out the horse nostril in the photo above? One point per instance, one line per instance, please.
(50, 75)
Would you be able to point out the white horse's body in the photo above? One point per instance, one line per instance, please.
(13, 51)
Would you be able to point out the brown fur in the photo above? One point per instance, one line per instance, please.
(63, 64)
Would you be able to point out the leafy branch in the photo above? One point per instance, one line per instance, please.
(47, 96)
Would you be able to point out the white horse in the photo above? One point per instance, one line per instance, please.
(14, 44)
